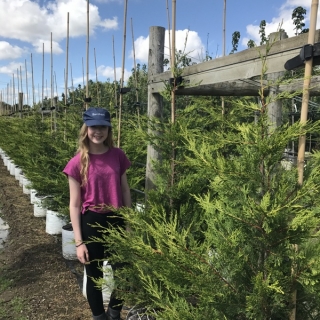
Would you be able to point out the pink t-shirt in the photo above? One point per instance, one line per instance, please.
(104, 179)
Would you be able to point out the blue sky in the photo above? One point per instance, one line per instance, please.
(26, 27)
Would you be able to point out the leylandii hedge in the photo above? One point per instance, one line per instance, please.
(41, 145)
(231, 235)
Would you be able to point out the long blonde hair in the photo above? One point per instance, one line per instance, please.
(83, 149)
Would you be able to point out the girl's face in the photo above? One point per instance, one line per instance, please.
(98, 134)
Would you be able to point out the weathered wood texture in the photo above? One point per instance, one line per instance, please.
(238, 74)
(155, 66)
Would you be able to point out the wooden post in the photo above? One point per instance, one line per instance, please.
(155, 66)
(275, 106)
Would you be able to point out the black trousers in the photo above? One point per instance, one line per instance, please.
(97, 251)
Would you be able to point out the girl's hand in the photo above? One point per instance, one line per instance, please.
(83, 254)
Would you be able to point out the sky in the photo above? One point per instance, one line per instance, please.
(27, 27)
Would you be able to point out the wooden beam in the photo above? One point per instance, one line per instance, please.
(247, 87)
(218, 74)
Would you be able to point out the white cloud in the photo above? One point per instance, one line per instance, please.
(45, 45)
(108, 24)
(187, 41)
(8, 51)
(10, 69)
(108, 73)
(29, 22)
(108, 1)
(283, 19)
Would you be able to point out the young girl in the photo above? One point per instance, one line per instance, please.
(97, 180)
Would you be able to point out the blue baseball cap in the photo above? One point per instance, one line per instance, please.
(97, 117)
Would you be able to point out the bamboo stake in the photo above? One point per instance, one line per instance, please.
(53, 110)
(27, 90)
(123, 64)
(82, 73)
(33, 99)
(22, 95)
(13, 94)
(168, 17)
(8, 97)
(224, 46)
(55, 82)
(95, 65)
(21, 80)
(304, 115)
(87, 87)
(51, 74)
(42, 79)
(47, 92)
(173, 93)
(224, 28)
(67, 63)
(72, 88)
(135, 71)
(115, 77)
(1, 105)
(134, 62)
(173, 60)
(18, 80)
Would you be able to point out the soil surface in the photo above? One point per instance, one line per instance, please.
(48, 285)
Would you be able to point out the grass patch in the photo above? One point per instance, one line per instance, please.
(5, 283)
(13, 307)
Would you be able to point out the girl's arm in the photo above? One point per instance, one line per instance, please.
(126, 195)
(75, 216)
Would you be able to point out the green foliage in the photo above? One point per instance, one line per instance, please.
(235, 41)
(262, 32)
(298, 18)
(221, 243)
(251, 44)
(227, 234)
(42, 152)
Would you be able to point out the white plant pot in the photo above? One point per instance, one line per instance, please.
(69, 251)
(21, 179)
(12, 169)
(26, 184)
(108, 285)
(9, 163)
(33, 193)
(5, 160)
(54, 222)
(287, 164)
(38, 209)
(140, 207)
(17, 173)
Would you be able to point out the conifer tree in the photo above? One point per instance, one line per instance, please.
(224, 246)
